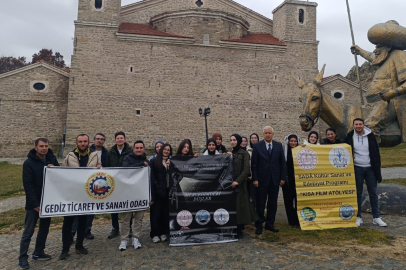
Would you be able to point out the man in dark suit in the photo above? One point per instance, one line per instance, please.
(268, 167)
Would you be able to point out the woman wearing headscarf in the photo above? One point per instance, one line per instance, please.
(158, 146)
(211, 148)
(254, 138)
(312, 138)
(159, 217)
(331, 135)
(289, 189)
(244, 143)
(241, 170)
(219, 140)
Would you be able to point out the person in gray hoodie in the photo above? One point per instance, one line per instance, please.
(367, 166)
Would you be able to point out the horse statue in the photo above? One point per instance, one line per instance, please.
(336, 114)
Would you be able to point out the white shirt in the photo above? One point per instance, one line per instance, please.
(99, 153)
(120, 151)
(267, 145)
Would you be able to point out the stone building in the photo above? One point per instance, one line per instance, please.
(33, 104)
(146, 69)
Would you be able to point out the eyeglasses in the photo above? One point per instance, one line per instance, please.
(99, 139)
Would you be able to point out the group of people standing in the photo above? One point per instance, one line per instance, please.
(260, 168)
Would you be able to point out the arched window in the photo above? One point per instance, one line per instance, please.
(98, 4)
(301, 15)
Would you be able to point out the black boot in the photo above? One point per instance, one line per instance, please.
(114, 233)
(89, 235)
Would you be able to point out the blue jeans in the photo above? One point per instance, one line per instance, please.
(367, 173)
(31, 218)
(88, 224)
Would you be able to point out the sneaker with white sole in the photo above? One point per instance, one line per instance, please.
(163, 238)
(123, 245)
(136, 243)
(379, 222)
(156, 239)
(358, 221)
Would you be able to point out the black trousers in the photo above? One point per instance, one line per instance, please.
(159, 216)
(289, 198)
(67, 231)
(263, 194)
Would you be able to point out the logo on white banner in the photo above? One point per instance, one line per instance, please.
(100, 185)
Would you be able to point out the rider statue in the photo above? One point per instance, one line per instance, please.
(387, 91)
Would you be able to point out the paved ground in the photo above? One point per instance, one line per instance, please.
(394, 173)
(12, 203)
(248, 253)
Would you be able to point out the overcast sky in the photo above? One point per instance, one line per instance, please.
(26, 26)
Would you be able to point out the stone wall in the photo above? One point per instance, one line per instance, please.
(197, 23)
(27, 114)
(143, 12)
(287, 26)
(169, 83)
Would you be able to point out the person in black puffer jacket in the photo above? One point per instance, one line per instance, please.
(33, 174)
(160, 183)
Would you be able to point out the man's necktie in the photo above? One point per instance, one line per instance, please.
(269, 148)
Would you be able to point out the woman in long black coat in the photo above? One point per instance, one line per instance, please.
(241, 171)
(160, 208)
(289, 189)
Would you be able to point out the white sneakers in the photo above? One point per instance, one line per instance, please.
(123, 245)
(156, 239)
(358, 221)
(375, 221)
(136, 243)
(164, 238)
(379, 222)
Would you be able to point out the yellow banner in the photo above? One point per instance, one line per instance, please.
(325, 186)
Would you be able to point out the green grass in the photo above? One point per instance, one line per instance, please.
(11, 180)
(394, 156)
(400, 181)
(331, 237)
(12, 221)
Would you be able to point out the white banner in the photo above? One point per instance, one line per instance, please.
(81, 191)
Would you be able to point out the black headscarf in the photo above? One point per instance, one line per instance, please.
(239, 141)
(289, 160)
(245, 148)
(250, 139)
(310, 133)
(207, 146)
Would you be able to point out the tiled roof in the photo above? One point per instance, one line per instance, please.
(258, 38)
(143, 29)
